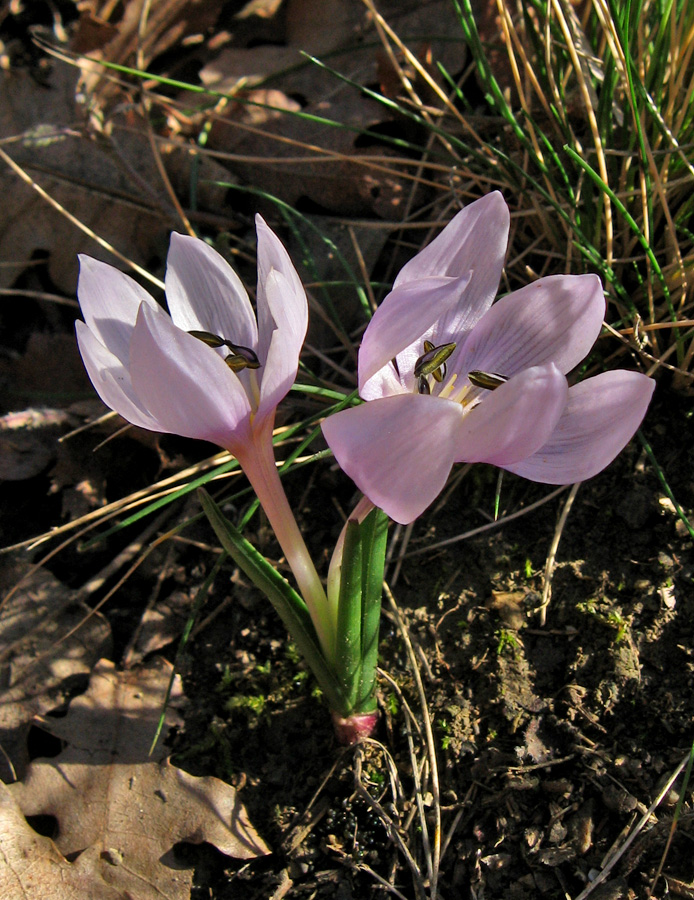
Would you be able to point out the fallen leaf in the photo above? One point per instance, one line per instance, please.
(50, 372)
(509, 606)
(160, 625)
(47, 637)
(27, 442)
(33, 868)
(320, 27)
(108, 180)
(100, 183)
(127, 808)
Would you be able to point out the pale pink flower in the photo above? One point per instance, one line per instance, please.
(489, 385)
(148, 367)
(222, 385)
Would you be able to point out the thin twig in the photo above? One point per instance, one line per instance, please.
(552, 555)
(489, 526)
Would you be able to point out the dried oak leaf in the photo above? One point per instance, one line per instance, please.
(31, 868)
(47, 638)
(127, 808)
(110, 185)
(108, 180)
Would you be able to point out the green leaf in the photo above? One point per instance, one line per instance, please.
(359, 609)
(374, 539)
(288, 604)
(348, 651)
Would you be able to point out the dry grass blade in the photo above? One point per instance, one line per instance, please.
(643, 821)
(552, 555)
(27, 179)
(432, 847)
(489, 526)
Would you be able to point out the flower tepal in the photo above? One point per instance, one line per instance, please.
(448, 377)
(210, 370)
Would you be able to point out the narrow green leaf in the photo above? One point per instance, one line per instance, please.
(374, 539)
(288, 604)
(348, 650)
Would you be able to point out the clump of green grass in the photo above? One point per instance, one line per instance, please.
(593, 125)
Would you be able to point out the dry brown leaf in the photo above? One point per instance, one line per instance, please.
(112, 189)
(39, 658)
(160, 625)
(110, 182)
(339, 179)
(50, 371)
(127, 808)
(31, 868)
(27, 441)
(319, 27)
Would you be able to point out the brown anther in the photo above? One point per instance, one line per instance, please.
(488, 380)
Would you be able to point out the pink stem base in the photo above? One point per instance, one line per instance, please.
(352, 729)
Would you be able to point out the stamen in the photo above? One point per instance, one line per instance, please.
(240, 358)
(212, 340)
(440, 373)
(236, 363)
(249, 356)
(447, 390)
(423, 385)
(488, 380)
(432, 360)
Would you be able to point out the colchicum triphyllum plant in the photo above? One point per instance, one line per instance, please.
(447, 377)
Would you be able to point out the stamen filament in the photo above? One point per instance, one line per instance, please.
(447, 389)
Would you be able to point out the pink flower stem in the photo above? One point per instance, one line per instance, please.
(258, 463)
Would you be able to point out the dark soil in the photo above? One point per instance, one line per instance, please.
(551, 741)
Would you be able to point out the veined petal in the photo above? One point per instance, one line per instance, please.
(398, 450)
(515, 420)
(289, 312)
(473, 241)
(406, 313)
(555, 319)
(205, 294)
(111, 379)
(109, 300)
(475, 238)
(601, 416)
(185, 386)
(282, 358)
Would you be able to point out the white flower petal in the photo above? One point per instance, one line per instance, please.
(288, 312)
(601, 416)
(185, 385)
(111, 379)
(109, 300)
(406, 314)
(516, 419)
(278, 373)
(205, 294)
(473, 241)
(397, 450)
(555, 319)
